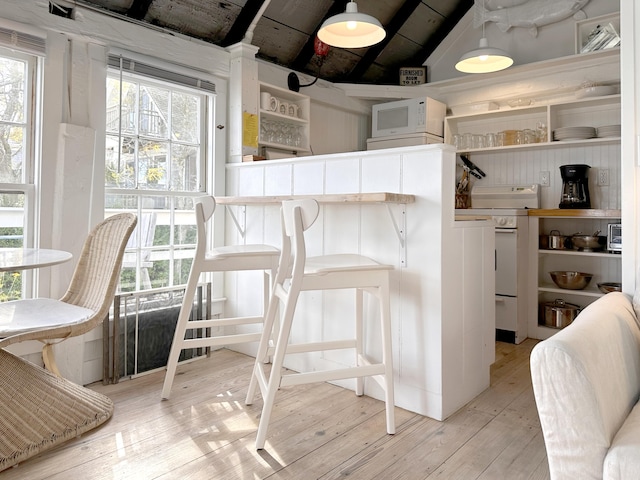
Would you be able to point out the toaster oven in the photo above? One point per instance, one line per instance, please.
(614, 238)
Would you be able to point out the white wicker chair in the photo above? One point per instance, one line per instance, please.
(87, 300)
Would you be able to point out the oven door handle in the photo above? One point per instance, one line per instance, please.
(506, 230)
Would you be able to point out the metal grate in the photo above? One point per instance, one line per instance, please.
(142, 328)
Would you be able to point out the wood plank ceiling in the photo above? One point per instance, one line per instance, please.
(286, 31)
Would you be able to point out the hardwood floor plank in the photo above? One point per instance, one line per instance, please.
(341, 449)
(419, 451)
(318, 431)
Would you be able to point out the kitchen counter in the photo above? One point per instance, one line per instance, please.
(375, 197)
(442, 284)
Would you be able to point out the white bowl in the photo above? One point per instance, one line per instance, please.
(471, 108)
(597, 91)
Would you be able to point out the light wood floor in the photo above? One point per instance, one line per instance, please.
(205, 431)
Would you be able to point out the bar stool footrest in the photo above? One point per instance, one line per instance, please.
(327, 375)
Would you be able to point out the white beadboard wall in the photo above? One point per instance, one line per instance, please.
(442, 300)
(523, 166)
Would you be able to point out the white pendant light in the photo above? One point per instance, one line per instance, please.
(484, 59)
(351, 29)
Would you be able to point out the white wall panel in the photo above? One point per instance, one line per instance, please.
(441, 306)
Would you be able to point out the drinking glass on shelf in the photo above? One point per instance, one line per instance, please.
(500, 139)
(478, 141)
(264, 131)
(529, 136)
(490, 140)
(467, 141)
(271, 132)
(457, 141)
(297, 137)
(519, 137)
(541, 132)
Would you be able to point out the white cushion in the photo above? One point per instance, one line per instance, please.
(623, 460)
(20, 316)
(586, 380)
(636, 301)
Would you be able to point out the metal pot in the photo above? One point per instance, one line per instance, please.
(555, 241)
(588, 243)
(557, 314)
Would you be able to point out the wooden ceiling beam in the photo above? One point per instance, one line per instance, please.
(440, 34)
(308, 51)
(243, 21)
(401, 16)
(138, 9)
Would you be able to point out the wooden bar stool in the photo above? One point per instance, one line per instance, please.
(297, 273)
(221, 259)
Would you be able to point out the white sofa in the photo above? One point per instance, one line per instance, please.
(586, 381)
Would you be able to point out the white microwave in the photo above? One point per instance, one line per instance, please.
(413, 115)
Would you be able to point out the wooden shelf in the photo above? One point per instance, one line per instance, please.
(574, 213)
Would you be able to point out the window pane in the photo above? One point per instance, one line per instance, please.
(185, 118)
(12, 85)
(128, 109)
(152, 165)
(119, 162)
(13, 219)
(184, 168)
(153, 153)
(12, 154)
(11, 235)
(154, 111)
(181, 269)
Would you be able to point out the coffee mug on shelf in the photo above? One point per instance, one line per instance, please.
(284, 108)
(293, 110)
(265, 101)
(274, 104)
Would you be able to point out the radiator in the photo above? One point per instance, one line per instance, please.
(139, 331)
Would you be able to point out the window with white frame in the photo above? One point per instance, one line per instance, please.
(158, 145)
(18, 109)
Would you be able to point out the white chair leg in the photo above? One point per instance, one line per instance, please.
(181, 328)
(359, 340)
(387, 355)
(263, 346)
(269, 395)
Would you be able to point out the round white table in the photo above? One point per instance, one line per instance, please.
(12, 259)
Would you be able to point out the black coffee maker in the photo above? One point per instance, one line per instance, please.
(575, 186)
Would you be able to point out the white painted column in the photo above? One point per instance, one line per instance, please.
(243, 97)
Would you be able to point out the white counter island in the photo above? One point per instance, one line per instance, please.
(442, 302)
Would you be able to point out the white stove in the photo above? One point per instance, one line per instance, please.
(507, 205)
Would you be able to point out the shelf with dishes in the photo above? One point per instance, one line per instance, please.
(587, 292)
(284, 118)
(588, 121)
(582, 270)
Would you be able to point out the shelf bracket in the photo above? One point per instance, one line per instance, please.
(400, 226)
(241, 225)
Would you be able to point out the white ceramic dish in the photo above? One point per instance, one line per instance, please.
(471, 108)
(597, 91)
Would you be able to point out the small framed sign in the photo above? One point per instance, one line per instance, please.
(413, 75)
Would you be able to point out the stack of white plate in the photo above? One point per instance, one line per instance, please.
(574, 133)
(609, 131)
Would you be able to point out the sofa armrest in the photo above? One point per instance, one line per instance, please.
(586, 380)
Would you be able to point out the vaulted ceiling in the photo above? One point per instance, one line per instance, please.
(286, 29)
